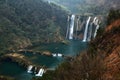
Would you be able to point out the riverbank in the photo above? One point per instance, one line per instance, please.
(17, 58)
(47, 53)
(6, 78)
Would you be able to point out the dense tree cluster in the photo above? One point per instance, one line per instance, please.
(24, 22)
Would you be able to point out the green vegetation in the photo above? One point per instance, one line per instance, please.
(27, 22)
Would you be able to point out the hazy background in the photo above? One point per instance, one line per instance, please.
(88, 6)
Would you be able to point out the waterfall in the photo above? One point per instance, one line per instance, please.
(67, 26)
(40, 73)
(91, 28)
(71, 27)
(94, 21)
(97, 27)
(89, 31)
(30, 69)
(96, 31)
(86, 30)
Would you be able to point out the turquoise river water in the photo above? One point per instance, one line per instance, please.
(14, 70)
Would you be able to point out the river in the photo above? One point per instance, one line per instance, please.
(72, 49)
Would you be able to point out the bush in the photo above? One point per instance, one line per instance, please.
(113, 15)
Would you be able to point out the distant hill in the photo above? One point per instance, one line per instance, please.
(25, 22)
(88, 6)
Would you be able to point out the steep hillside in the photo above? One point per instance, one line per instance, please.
(108, 45)
(24, 22)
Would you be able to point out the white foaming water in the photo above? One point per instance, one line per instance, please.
(54, 55)
(97, 27)
(71, 27)
(59, 55)
(29, 69)
(94, 20)
(86, 30)
(40, 73)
